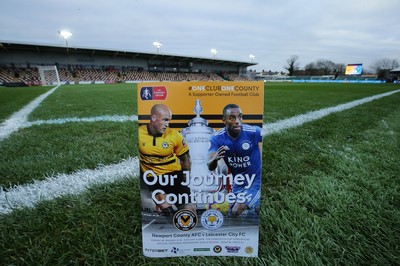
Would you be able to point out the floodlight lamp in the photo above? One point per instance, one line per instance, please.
(214, 52)
(157, 44)
(252, 57)
(65, 34)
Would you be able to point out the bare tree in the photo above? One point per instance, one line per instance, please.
(311, 69)
(325, 66)
(384, 64)
(339, 69)
(293, 64)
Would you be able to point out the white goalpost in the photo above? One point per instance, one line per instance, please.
(48, 75)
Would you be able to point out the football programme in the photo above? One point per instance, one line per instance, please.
(196, 208)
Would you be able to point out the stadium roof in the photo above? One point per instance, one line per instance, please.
(395, 70)
(8, 46)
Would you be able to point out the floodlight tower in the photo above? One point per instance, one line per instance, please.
(252, 57)
(158, 46)
(65, 34)
(214, 52)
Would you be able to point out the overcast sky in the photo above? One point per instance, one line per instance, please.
(343, 31)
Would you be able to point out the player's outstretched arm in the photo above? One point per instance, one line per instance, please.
(214, 157)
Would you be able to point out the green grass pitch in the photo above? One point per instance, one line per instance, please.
(330, 191)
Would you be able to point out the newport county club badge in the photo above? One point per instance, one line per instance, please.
(185, 220)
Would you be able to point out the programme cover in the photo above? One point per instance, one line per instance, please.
(200, 151)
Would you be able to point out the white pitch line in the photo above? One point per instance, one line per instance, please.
(103, 118)
(62, 184)
(17, 119)
(315, 115)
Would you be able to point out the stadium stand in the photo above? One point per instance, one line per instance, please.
(6, 75)
(30, 76)
(357, 78)
(19, 61)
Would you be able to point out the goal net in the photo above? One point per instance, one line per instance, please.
(48, 75)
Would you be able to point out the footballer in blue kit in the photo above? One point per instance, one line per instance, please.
(240, 146)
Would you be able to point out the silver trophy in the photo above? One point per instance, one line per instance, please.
(198, 136)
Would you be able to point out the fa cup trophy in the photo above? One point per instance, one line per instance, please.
(198, 136)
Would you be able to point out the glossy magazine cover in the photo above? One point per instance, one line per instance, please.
(200, 151)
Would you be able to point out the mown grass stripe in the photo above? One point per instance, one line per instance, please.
(63, 184)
